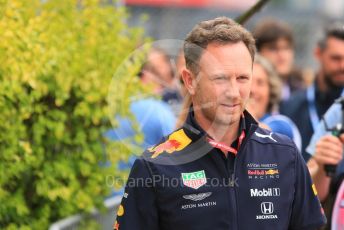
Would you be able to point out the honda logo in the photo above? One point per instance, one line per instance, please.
(267, 208)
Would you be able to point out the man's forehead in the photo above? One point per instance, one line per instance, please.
(225, 72)
(220, 60)
(333, 42)
(232, 51)
(218, 66)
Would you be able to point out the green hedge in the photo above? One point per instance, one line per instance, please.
(57, 60)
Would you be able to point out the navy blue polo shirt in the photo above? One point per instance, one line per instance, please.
(185, 183)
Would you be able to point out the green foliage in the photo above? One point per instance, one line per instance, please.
(57, 61)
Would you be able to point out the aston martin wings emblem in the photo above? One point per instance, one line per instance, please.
(197, 197)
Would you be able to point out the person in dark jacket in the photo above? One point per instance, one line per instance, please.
(220, 170)
(307, 107)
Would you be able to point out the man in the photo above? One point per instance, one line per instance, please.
(307, 106)
(220, 170)
(152, 118)
(275, 41)
(159, 71)
(327, 149)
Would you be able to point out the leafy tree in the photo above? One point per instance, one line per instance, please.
(57, 60)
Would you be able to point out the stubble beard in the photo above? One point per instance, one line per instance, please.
(216, 116)
(330, 82)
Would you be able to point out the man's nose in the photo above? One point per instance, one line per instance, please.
(232, 89)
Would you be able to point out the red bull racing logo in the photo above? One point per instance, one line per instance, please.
(262, 171)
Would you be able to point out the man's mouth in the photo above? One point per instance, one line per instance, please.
(230, 105)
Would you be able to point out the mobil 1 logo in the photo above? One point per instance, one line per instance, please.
(268, 192)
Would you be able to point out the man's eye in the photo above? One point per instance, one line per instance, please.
(220, 78)
(242, 77)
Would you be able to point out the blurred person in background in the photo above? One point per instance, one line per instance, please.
(275, 41)
(265, 98)
(327, 149)
(307, 106)
(154, 117)
(159, 67)
(160, 70)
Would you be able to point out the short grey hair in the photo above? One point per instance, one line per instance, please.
(221, 30)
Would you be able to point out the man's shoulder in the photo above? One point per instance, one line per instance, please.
(177, 141)
(265, 136)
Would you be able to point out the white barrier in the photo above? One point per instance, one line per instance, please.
(105, 220)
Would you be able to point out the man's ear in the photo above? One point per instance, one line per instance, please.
(317, 53)
(189, 81)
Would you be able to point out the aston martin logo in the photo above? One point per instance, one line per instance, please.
(197, 197)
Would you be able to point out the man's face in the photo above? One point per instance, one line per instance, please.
(224, 83)
(162, 68)
(331, 59)
(280, 54)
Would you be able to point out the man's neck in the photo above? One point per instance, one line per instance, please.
(221, 133)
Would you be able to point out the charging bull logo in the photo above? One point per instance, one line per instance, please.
(116, 226)
(271, 172)
(175, 142)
